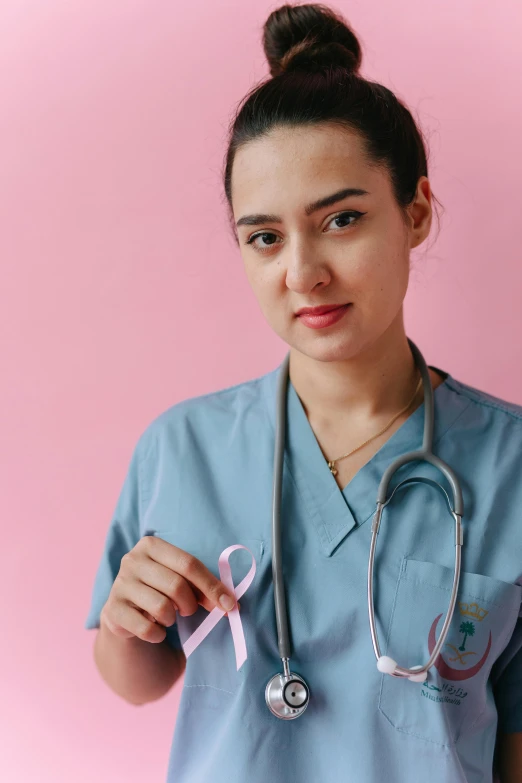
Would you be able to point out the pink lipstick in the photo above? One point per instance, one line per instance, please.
(320, 317)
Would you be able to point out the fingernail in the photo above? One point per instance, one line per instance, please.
(227, 602)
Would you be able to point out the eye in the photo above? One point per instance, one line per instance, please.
(342, 216)
(261, 248)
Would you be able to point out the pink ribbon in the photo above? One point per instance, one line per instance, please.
(216, 614)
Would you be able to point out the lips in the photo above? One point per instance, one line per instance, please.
(321, 317)
(320, 310)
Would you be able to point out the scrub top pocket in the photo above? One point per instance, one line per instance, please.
(455, 693)
(213, 663)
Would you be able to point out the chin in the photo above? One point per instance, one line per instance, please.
(328, 349)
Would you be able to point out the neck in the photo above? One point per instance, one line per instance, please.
(379, 381)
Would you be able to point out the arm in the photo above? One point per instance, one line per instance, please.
(137, 670)
(510, 757)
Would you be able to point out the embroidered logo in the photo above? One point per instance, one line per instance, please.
(465, 659)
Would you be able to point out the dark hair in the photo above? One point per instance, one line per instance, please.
(314, 59)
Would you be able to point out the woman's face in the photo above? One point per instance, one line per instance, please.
(354, 252)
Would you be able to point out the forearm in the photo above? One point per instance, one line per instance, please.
(136, 670)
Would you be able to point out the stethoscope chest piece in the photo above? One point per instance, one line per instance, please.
(287, 696)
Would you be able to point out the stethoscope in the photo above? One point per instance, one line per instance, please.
(287, 694)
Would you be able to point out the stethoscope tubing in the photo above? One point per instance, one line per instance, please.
(283, 635)
(275, 688)
(420, 671)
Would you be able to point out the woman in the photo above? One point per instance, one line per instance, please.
(326, 179)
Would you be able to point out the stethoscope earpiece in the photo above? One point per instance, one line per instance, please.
(386, 665)
(420, 677)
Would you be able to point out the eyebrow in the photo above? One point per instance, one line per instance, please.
(315, 206)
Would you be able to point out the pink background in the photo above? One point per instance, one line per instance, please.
(122, 293)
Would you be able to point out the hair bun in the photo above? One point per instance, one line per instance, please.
(310, 38)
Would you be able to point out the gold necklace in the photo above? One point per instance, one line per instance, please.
(331, 463)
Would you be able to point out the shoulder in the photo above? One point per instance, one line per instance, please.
(488, 404)
(484, 429)
(205, 416)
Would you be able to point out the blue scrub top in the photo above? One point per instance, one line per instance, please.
(200, 477)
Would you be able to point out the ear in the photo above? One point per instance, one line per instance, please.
(420, 213)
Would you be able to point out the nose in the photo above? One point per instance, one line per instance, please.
(305, 270)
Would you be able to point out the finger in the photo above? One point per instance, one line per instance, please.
(151, 618)
(160, 606)
(203, 601)
(126, 620)
(192, 569)
(170, 584)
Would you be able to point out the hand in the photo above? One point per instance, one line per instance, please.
(157, 579)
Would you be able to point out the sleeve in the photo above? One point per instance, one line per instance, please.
(122, 535)
(506, 677)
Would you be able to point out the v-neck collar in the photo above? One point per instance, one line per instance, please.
(335, 512)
